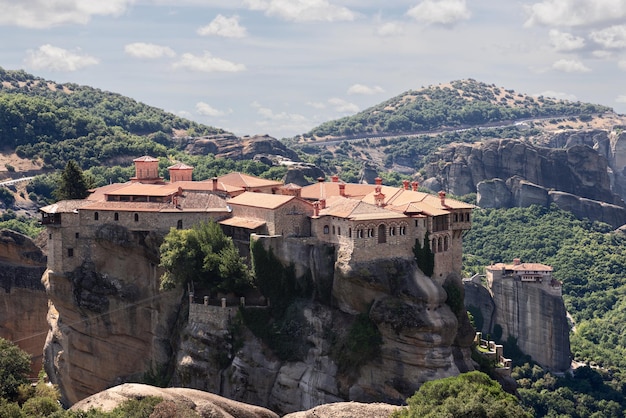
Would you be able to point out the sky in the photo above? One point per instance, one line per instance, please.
(282, 67)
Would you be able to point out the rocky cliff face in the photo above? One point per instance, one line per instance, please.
(108, 321)
(583, 176)
(23, 303)
(246, 148)
(528, 312)
(422, 338)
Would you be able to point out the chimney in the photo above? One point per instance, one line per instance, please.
(322, 203)
(405, 184)
(334, 178)
(316, 209)
(214, 180)
(342, 189)
(378, 181)
(414, 185)
(442, 197)
(517, 261)
(320, 181)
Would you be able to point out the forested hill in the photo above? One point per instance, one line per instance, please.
(58, 122)
(463, 103)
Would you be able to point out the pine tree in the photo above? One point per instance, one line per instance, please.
(73, 184)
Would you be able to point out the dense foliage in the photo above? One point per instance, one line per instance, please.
(463, 103)
(205, 256)
(72, 184)
(471, 394)
(590, 259)
(14, 369)
(58, 122)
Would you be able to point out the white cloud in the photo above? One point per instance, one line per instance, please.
(49, 57)
(302, 10)
(602, 54)
(227, 27)
(343, 106)
(207, 63)
(363, 89)
(613, 37)
(444, 12)
(570, 66)
(148, 51)
(621, 98)
(281, 121)
(571, 13)
(557, 95)
(208, 110)
(563, 41)
(37, 14)
(390, 29)
(316, 105)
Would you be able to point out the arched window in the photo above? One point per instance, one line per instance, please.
(433, 245)
(116, 216)
(403, 230)
(439, 245)
(136, 217)
(349, 232)
(456, 217)
(446, 243)
(95, 216)
(338, 230)
(359, 233)
(333, 229)
(326, 229)
(467, 217)
(179, 224)
(392, 231)
(382, 236)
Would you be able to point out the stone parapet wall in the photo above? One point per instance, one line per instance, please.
(213, 316)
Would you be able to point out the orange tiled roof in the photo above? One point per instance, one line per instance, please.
(261, 200)
(326, 189)
(521, 267)
(141, 189)
(239, 222)
(246, 181)
(64, 206)
(146, 158)
(343, 207)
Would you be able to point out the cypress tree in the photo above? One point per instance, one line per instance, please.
(73, 184)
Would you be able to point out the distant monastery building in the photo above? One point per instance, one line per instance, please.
(363, 221)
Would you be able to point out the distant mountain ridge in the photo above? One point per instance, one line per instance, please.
(455, 104)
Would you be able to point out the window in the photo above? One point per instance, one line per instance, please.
(77, 235)
(403, 230)
(439, 245)
(326, 229)
(338, 230)
(382, 237)
(359, 233)
(467, 217)
(95, 216)
(179, 224)
(49, 236)
(370, 232)
(416, 223)
(446, 243)
(116, 216)
(70, 252)
(136, 217)
(456, 217)
(392, 231)
(333, 229)
(433, 245)
(349, 232)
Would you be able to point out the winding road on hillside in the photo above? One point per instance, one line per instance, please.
(13, 182)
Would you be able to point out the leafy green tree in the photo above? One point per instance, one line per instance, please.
(471, 394)
(14, 369)
(203, 255)
(73, 183)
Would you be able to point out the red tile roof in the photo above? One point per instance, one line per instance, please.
(261, 200)
(246, 181)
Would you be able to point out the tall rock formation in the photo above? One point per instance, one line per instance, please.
(533, 314)
(23, 303)
(582, 176)
(423, 337)
(108, 320)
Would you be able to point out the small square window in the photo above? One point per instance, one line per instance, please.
(70, 252)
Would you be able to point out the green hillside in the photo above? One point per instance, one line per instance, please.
(463, 103)
(57, 122)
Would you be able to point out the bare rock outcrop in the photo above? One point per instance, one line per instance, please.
(422, 337)
(227, 145)
(203, 403)
(347, 410)
(108, 321)
(23, 303)
(532, 313)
